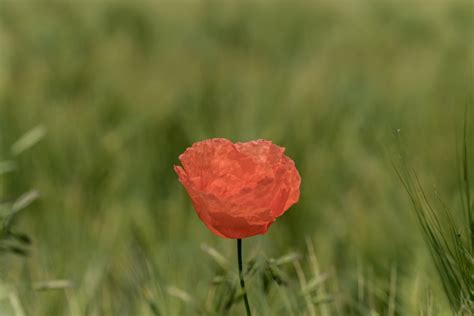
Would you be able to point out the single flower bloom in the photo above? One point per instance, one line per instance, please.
(238, 190)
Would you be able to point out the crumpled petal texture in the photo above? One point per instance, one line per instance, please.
(238, 190)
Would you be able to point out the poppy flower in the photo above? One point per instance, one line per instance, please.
(238, 190)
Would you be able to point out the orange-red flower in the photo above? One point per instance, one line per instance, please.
(238, 190)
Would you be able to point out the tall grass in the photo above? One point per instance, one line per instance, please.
(448, 231)
(11, 240)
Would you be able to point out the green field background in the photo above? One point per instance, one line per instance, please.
(122, 88)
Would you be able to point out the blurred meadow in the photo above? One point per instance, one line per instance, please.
(110, 93)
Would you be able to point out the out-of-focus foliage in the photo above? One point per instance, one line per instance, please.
(12, 241)
(124, 87)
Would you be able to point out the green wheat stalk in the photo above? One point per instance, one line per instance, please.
(451, 243)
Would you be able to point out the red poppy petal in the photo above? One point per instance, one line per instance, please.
(238, 190)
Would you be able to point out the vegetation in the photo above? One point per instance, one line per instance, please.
(449, 234)
(120, 89)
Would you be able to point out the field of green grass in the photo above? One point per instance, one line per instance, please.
(110, 93)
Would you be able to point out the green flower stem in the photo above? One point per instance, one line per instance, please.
(242, 282)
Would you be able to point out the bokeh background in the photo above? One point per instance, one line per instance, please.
(122, 88)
